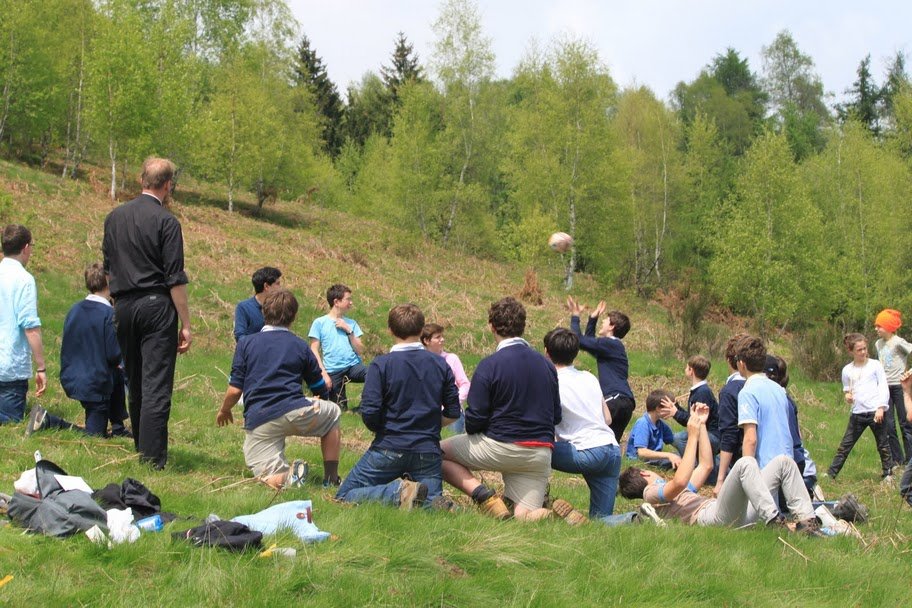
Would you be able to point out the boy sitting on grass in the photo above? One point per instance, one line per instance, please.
(268, 369)
(409, 394)
(743, 498)
(650, 435)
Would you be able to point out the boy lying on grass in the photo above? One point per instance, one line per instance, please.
(745, 495)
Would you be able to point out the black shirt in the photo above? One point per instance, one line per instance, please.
(143, 248)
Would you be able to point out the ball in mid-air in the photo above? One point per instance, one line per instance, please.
(560, 242)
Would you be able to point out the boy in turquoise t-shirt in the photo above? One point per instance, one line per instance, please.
(335, 340)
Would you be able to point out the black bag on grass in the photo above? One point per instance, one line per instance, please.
(134, 495)
(225, 534)
(58, 512)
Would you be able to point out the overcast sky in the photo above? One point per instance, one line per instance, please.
(653, 42)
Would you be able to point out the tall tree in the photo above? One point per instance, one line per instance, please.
(897, 80)
(767, 263)
(405, 67)
(369, 110)
(864, 99)
(796, 94)
(464, 63)
(310, 72)
(560, 157)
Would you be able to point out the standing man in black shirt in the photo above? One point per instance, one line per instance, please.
(144, 257)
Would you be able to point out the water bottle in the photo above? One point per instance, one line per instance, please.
(151, 524)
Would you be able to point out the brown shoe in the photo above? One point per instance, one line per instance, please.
(565, 510)
(411, 493)
(495, 507)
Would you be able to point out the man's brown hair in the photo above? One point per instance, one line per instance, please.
(632, 484)
(429, 331)
(280, 308)
(405, 321)
(156, 172)
(15, 238)
(95, 278)
(508, 317)
(731, 349)
(654, 399)
(700, 366)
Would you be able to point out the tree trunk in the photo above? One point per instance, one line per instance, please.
(112, 154)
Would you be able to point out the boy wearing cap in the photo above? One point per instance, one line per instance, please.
(892, 352)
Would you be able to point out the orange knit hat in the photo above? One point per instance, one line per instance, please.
(889, 319)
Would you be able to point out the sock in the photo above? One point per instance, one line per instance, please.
(330, 470)
(482, 493)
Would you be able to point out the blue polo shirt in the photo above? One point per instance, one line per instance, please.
(271, 367)
(335, 347)
(404, 395)
(248, 318)
(645, 434)
(18, 312)
(765, 403)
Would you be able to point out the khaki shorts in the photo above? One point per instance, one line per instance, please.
(525, 471)
(264, 446)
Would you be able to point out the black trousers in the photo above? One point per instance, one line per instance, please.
(901, 430)
(147, 332)
(857, 425)
(621, 409)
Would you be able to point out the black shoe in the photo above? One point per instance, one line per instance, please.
(810, 527)
(780, 521)
(849, 509)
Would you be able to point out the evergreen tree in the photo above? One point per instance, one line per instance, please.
(311, 72)
(404, 68)
(897, 80)
(865, 99)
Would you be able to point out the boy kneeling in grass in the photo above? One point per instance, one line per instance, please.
(401, 403)
(268, 368)
(744, 497)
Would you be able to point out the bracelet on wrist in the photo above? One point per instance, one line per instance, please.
(41, 371)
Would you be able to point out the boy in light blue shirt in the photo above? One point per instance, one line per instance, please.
(335, 340)
(763, 407)
(650, 435)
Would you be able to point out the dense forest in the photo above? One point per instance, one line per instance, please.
(747, 188)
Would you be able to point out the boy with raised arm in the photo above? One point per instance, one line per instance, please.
(611, 357)
(335, 340)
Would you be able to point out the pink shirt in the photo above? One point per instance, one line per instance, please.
(462, 381)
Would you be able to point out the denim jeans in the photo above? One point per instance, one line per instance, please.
(355, 373)
(905, 484)
(12, 400)
(600, 467)
(458, 426)
(377, 475)
(902, 431)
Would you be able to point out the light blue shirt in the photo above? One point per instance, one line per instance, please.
(649, 435)
(18, 312)
(336, 350)
(764, 403)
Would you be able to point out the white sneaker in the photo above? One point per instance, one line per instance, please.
(648, 511)
(817, 493)
(887, 481)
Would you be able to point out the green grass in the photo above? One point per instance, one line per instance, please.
(380, 556)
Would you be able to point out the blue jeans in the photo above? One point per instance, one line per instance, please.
(377, 475)
(600, 467)
(12, 400)
(458, 426)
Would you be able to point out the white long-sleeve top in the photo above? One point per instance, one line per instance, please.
(868, 385)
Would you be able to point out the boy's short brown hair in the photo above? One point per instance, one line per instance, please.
(429, 331)
(95, 279)
(405, 321)
(700, 366)
(632, 484)
(752, 352)
(508, 317)
(731, 349)
(620, 322)
(280, 308)
(654, 399)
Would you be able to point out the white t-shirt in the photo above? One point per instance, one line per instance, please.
(868, 385)
(583, 420)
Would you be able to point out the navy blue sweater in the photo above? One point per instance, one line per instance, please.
(730, 434)
(514, 397)
(248, 318)
(402, 398)
(701, 394)
(89, 352)
(611, 357)
(269, 367)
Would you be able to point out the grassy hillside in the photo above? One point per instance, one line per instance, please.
(380, 556)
